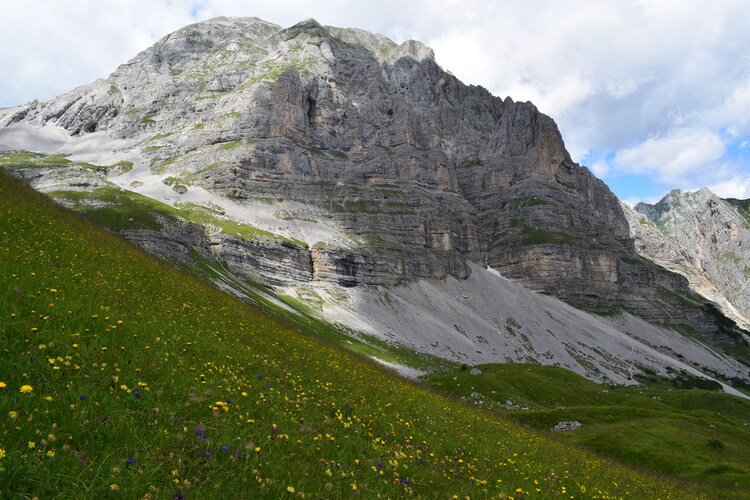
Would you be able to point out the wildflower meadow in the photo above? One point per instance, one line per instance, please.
(121, 377)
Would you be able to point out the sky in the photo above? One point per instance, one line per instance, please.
(650, 95)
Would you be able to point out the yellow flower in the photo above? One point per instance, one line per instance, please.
(114, 487)
(2, 385)
(2, 453)
(26, 389)
(50, 453)
(290, 489)
(13, 414)
(32, 445)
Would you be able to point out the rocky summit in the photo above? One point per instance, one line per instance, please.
(703, 237)
(318, 155)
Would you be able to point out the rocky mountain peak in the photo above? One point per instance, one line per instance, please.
(704, 238)
(369, 162)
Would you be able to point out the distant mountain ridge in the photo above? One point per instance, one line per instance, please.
(327, 162)
(705, 238)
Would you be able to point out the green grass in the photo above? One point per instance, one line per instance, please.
(160, 136)
(26, 159)
(534, 236)
(681, 432)
(146, 383)
(129, 210)
(743, 209)
(119, 211)
(303, 317)
(731, 257)
(229, 145)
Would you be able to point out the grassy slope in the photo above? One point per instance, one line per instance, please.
(301, 317)
(695, 434)
(148, 383)
(118, 210)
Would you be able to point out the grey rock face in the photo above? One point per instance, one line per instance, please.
(566, 426)
(703, 237)
(414, 172)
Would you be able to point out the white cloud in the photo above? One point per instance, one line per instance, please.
(632, 201)
(734, 113)
(600, 168)
(737, 187)
(674, 157)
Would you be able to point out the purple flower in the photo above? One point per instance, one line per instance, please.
(137, 393)
(82, 397)
(207, 453)
(404, 480)
(130, 461)
(225, 447)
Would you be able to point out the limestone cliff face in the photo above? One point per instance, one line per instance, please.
(706, 239)
(413, 171)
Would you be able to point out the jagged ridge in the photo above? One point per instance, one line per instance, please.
(704, 238)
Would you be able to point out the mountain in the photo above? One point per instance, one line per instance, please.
(706, 239)
(357, 178)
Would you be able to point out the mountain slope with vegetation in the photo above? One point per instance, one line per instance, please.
(416, 326)
(121, 376)
(677, 426)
